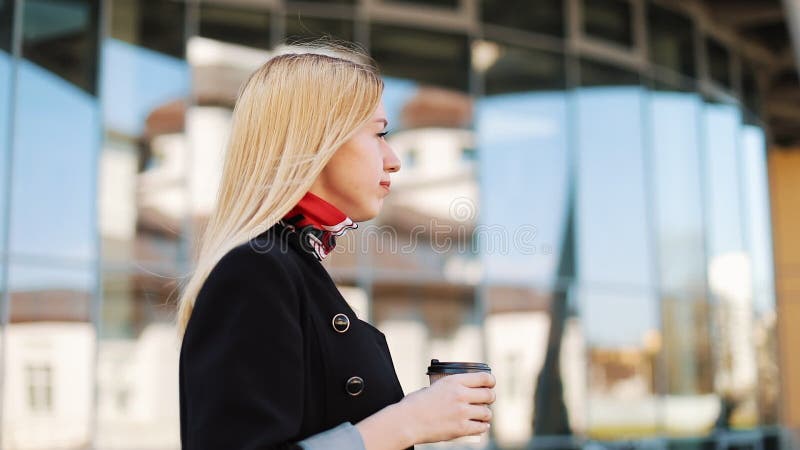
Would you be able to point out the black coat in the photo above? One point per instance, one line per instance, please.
(262, 364)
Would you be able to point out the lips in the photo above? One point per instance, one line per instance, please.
(386, 184)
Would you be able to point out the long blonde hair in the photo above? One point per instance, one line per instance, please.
(291, 115)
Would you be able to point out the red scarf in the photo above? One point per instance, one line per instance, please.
(319, 223)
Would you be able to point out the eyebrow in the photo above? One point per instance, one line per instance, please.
(385, 122)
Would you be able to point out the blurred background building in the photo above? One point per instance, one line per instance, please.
(600, 198)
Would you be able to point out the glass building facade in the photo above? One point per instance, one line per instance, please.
(583, 204)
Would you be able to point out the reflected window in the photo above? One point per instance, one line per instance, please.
(6, 25)
(154, 24)
(671, 40)
(719, 63)
(429, 57)
(325, 2)
(39, 378)
(451, 4)
(302, 27)
(61, 36)
(541, 16)
(750, 93)
(516, 69)
(609, 20)
(246, 27)
(595, 73)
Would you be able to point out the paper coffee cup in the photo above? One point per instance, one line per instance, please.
(440, 369)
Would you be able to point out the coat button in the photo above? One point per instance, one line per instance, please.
(354, 386)
(341, 323)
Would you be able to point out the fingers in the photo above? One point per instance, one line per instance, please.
(473, 428)
(480, 396)
(475, 379)
(481, 413)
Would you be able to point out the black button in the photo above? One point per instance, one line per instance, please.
(354, 386)
(341, 323)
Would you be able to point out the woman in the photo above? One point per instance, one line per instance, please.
(272, 356)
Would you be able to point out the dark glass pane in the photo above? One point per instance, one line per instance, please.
(61, 36)
(238, 26)
(155, 24)
(671, 40)
(542, 16)
(719, 63)
(304, 27)
(595, 73)
(750, 95)
(162, 26)
(438, 3)
(518, 70)
(6, 21)
(610, 20)
(429, 57)
(326, 2)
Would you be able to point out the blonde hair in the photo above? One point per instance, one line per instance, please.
(290, 117)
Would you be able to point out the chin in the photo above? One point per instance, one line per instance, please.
(367, 213)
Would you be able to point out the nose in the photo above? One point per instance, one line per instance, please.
(391, 163)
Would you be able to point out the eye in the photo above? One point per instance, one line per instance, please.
(383, 134)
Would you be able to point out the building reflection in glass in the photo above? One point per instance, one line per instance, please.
(597, 230)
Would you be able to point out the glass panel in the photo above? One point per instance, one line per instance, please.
(60, 36)
(609, 20)
(519, 135)
(49, 359)
(594, 73)
(536, 350)
(515, 69)
(246, 27)
(437, 3)
(719, 63)
(427, 57)
(6, 26)
(685, 315)
(729, 269)
(613, 243)
(671, 40)
(759, 237)
(751, 97)
(143, 196)
(614, 264)
(6, 108)
(303, 27)
(541, 16)
(423, 321)
(622, 401)
(44, 208)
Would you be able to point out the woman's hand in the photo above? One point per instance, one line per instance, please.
(453, 406)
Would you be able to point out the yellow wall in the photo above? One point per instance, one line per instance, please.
(784, 173)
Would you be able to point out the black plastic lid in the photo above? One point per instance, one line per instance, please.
(449, 368)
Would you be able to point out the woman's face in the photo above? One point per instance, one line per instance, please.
(356, 179)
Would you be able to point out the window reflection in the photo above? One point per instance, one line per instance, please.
(61, 37)
(542, 16)
(536, 350)
(685, 310)
(303, 27)
(719, 64)
(49, 360)
(248, 27)
(729, 270)
(428, 57)
(143, 207)
(610, 20)
(671, 38)
(514, 69)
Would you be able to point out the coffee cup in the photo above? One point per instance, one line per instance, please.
(440, 369)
